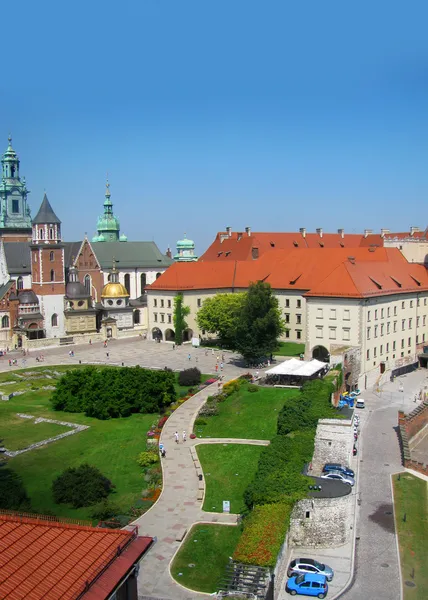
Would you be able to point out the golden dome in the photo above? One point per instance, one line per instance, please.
(114, 290)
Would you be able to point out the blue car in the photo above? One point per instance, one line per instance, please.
(308, 584)
(338, 467)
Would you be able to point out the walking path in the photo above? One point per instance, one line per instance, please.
(179, 505)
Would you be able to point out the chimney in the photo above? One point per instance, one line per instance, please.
(229, 231)
(341, 232)
(303, 231)
(367, 232)
(248, 231)
(383, 232)
(319, 231)
(414, 230)
(351, 260)
(168, 252)
(254, 253)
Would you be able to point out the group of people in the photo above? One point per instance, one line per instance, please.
(177, 437)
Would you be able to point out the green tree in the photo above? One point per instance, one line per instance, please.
(259, 323)
(219, 315)
(180, 314)
(81, 486)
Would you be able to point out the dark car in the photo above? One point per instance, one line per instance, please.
(309, 565)
(338, 467)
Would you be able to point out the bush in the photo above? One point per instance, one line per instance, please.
(253, 388)
(110, 392)
(200, 421)
(12, 492)
(81, 486)
(231, 387)
(147, 458)
(104, 510)
(162, 421)
(263, 535)
(303, 411)
(190, 376)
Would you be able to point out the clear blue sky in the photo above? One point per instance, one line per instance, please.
(212, 113)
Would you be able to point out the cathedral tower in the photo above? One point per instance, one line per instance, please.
(15, 216)
(108, 226)
(47, 268)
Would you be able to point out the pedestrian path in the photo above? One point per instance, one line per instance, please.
(179, 505)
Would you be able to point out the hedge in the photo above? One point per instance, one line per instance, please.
(263, 535)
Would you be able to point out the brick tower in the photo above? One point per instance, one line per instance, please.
(47, 268)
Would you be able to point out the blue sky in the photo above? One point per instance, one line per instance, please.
(275, 115)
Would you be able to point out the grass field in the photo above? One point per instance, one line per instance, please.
(411, 499)
(228, 469)
(207, 548)
(111, 445)
(289, 349)
(247, 415)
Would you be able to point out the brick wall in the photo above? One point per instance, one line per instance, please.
(416, 466)
(409, 426)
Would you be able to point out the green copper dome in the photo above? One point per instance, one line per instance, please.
(108, 226)
(185, 243)
(185, 250)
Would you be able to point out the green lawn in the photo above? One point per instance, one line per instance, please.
(289, 349)
(18, 433)
(228, 469)
(207, 548)
(247, 415)
(411, 499)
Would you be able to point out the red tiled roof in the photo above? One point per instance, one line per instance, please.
(405, 235)
(45, 560)
(313, 270)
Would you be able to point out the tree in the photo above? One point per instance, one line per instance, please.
(81, 486)
(219, 315)
(259, 323)
(12, 492)
(180, 314)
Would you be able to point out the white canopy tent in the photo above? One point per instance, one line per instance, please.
(297, 368)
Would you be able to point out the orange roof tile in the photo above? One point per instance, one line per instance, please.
(45, 560)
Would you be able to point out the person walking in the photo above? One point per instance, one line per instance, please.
(221, 366)
(212, 351)
(163, 453)
(107, 354)
(173, 346)
(176, 437)
(216, 368)
(184, 436)
(189, 356)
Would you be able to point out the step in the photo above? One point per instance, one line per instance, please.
(180, 535)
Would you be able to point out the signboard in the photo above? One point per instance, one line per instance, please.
(226, 506)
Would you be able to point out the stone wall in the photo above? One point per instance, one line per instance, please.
(321, 522)
(334, 441)
(409, 426)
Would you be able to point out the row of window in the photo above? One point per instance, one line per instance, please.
(298, 333)
(162, 318)
(380, 313)
(332, 333)
(298, 318)
(333, 314)
(381, 329)
(162, 303)
(385, 349)
(298, 303)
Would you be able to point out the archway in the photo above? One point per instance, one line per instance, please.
(321, 353)
(170, 335)
(187, 335)
(156, 334)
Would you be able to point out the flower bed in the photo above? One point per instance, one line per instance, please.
(263, 535)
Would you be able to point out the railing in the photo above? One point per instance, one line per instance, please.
(43, 518)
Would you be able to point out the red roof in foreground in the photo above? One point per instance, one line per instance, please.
(49, 560)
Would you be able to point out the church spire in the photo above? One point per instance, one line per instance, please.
(108, 226)
(15, 216)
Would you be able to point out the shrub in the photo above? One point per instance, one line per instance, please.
(162, 421)
(104, 510)
(303, 411)
(253, 388)
(147, 458)
(200, 421)
(81, 486)
(111, 392)
(263, 535)
(190, 376)
(12, 492)
(231, 387)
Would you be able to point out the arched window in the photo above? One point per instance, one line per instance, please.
(52, 275)
(41, 233)
(51, 235)
(158, 275)
(128, 283)
(88, 283)
(54, 320)
(143, 281)
(5, 322)
(109, 277)
(51, 256)
(20, 283)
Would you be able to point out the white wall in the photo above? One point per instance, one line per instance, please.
(135, 278)
(48, 306)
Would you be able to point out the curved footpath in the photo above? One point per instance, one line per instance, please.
(179, 505)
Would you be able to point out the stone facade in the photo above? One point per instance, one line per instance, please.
(411, 427)
(334, 442)
(321, 522)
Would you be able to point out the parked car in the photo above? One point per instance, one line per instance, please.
(338, 467)
(360, 403)
(309, 565)
(307, 584)
(339, 476)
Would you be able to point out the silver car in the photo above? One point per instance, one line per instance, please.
(339, 477)
(309, 565)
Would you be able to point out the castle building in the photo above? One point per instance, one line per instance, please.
(79, 312)
(185, 250)
(15, 216)
(117, 314)
(108, 226)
